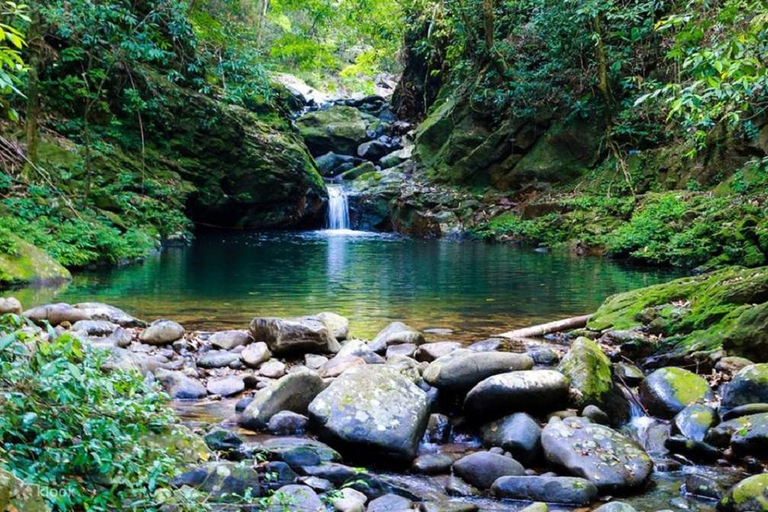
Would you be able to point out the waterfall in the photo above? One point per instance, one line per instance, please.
(338, 207)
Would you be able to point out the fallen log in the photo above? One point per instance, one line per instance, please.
(537, 331)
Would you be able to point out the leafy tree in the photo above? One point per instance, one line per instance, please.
(11, 44)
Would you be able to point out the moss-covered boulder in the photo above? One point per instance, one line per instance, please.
(750, 495)
(589, 371)
(748, 386)
(15, 494)
(668, 391)
(338, 129)
(724, 309)
(24, 263)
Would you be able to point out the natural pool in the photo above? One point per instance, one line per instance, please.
(225, 279)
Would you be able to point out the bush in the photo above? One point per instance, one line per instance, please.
(86, 437)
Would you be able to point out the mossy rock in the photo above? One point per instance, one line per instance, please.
(668, 391)
(338, 129)
(27, 264)
(748, 386)
(750, 495)
(17, 495)
(589, 371)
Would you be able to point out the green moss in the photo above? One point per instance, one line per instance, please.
(589, 371)
(687, 386)
(753, 490)
(29, 264)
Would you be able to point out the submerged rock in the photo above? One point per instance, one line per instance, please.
(372, 407)
(750, 495)
(610, 460)
(551, 489)
(462, 371)
(162, 332)
(481, 469)
(519, 434)
(668, 391)
(534, 390)
(298, 335)
(396, 333)
(294, 392)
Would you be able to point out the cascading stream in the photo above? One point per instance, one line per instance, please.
(338, 207)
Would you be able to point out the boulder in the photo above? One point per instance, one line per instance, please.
(294, 392)
(222, 440)
(349, 500)
(217, 359)
(180, 386)
(297, 335)
(747, 435)
(225, 481)
(360, 349)
(432, 464)
(287, 423)
(610, 460)
(339, 129)
(372, 407)
(532, 391)
(518, 434)
(299, 498)
(749, 495)
(337, 324)
(462, 371)
(482, 469)
(100, 311)
(255, 354)
(667, 391)
(694, 421)
(227, 340)
(162, 332)
(28, 264)
(10, 305)
(551, 489)
(18, 495)
(395, 333)
(431, 351)
(748, 386)
(300, 452)
(55, 314)
(272, 369)
(628, 374)
(95, 327)
(226, 386)
(332, 164)
(589, 371)
(373, 150)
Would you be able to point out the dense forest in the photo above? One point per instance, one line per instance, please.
(635, 130)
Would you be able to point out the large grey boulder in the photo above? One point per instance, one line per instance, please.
(396, 333)
(337, 324)
(505, 393)
(518, 434)
(668, 391)
(294, 392)
(100, 311)
(56, 314)
(481, 469)
(162, 332)
(551, 489)
(610, 460)
(462, 371)
(375, 408)
(180, 386)
(748, 386)
(295, 335)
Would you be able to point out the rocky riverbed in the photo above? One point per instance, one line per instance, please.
(307, 417)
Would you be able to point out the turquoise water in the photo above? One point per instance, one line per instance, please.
(225, 279)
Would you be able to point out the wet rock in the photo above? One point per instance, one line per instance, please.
(748, 435)
(732, 364)
(272, 369)
(349, 500)
(55, 314)
(749, 386)
(222, 440)
(217, 359)
(227, 340)
(481, 469)
(610, 460)
(390, 503)
(10, 305)
(447, 506)
(431, 351)
(99, 311)
(294, 392)
(300, 497)
(535, 390)
(616, 506)
(694, 421)
(243, 403)
(332, 164)
(696, 451)
(438, 429)
(432, 464)
(462, 371)
(394, 159)
(405, 349)
(162, 332)
(373, 150)
(226, 481)
(226, 386)
(489, 345)
(595, 415)
(749, 495)
(287, 423)
(519, 434)
(667, 391)
(396, 333)
(745, 410)
(95, 327)
(278, 474)
(703, 486)
(455, 486)
(544, 356)
(255, 354)
(373, 407)
(301, 452)
(298, 335)
(550, 489)
(629, 374)
(340, 364)
(179, 386)
(589, 371)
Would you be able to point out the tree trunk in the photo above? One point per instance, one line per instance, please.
(33, 89)
(548, 328)
(603, 82)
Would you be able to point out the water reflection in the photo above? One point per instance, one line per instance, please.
(225, 279)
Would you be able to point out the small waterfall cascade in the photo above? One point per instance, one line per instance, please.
(338, 207)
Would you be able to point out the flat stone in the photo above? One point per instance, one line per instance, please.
(390, 503)
(226, 386)
(272, 369)
(56, 314)
(431, 351)
(462, 371)
(551, 489)
(217, 359)
(432, 464)
(100, 311)
(404, 349)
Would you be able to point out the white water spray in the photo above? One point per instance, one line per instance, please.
(338, 207)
